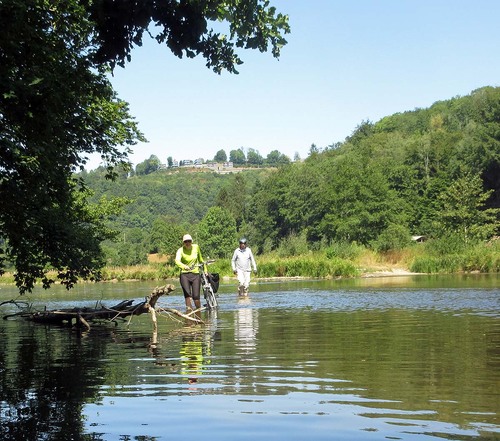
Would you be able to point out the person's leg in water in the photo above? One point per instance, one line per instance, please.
(186, 281)
(195, 294)
(241, 282)
(246, 283)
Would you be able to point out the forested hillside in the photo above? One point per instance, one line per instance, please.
(162, 206)
(432, 172)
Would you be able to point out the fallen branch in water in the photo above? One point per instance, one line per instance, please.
(82, 317)
(184, 316)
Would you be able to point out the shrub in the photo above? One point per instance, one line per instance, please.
(394, 237)
(293, 245)
(344, 250)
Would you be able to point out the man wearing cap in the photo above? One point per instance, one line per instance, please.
(242, 264)
(186, 258)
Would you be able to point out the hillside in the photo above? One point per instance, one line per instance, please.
(433, 172)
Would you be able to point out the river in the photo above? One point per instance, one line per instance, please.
(396, 358)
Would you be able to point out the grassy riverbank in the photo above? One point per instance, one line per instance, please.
(347, 260)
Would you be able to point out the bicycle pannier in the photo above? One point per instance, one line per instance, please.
(213, 278)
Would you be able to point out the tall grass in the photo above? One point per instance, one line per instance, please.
(447, 255)
(309, 265)
(344, 250)
(450, 255)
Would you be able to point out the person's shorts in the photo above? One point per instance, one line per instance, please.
(190, 283)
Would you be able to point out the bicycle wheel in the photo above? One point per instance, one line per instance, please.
(210, 298)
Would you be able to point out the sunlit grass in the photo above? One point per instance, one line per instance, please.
(335, 261)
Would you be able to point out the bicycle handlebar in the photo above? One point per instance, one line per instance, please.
(202, 264)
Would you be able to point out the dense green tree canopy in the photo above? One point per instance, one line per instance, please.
(426, 172)
(217, 233)
(57, 107)
(409, 172)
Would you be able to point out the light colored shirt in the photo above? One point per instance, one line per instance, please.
(243, 260)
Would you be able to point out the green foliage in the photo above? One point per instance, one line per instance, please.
(57, 107)
(220, 156)
(312, 266)
(344, 250)
(452, 254)
(49, 127)
(164, 205)
(217, 233)
(254, 157)
(164, 236)
(293, 245)
(237, 157)
(233, 197)
(463, 212)
(408, 173)
(275, 158)
(394, 237)
(148, 166)
(427, 172)
(185, 28)
(447, 244)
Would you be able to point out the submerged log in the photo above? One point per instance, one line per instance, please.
(82, 317)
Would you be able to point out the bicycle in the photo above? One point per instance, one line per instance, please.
(208, 291)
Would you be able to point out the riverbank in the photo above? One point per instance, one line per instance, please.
(342, 262)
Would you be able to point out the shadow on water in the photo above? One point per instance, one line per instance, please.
(325, 360)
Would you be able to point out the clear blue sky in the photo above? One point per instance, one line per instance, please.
(345, 62)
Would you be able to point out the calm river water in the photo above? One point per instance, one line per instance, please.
(402, 358)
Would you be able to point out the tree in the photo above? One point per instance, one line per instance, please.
(57, 107)
(233, 196)
(165, 235)
(148, 166)
(220, 156)
(184, 27)
(237, 157)
(277, 158)
(217, 233)
(49, 125)
(462, 210)
(254, 157)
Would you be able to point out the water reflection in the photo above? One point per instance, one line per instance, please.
(375, 363)
(246, 325)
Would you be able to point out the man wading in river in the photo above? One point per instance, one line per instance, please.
(242, 263)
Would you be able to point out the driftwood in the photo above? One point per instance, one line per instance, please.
(81, 317)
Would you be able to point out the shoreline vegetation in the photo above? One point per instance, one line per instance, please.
(347, 261)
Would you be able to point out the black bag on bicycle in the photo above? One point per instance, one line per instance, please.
(213, 279)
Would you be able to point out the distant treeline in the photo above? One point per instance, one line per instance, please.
(431, 172)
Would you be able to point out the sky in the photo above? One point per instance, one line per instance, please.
(345, 62)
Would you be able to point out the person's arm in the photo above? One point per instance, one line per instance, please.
(200, 260)
(233, 260)
(178, 260)
(252, 259)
